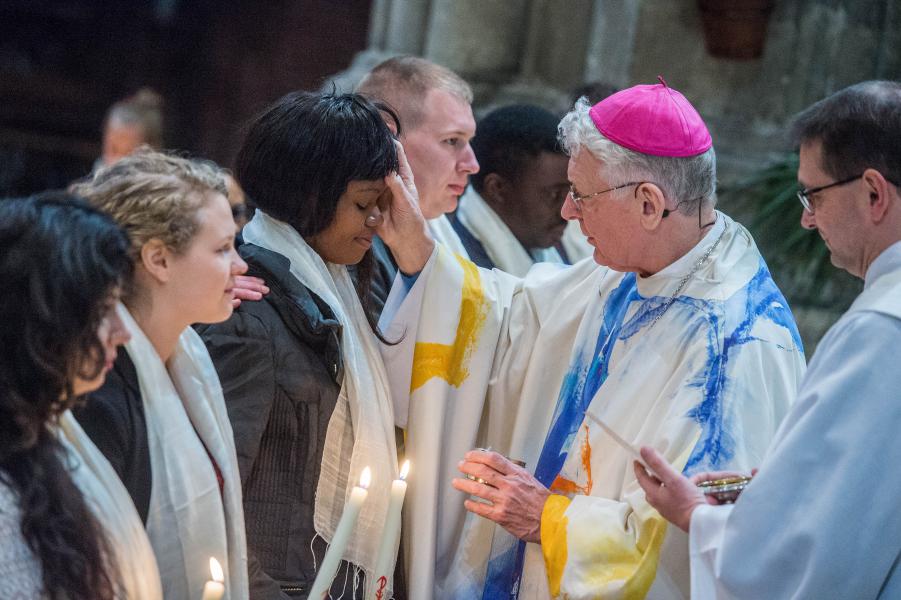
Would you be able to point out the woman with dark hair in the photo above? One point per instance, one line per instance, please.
(68, 528)
(304, 382)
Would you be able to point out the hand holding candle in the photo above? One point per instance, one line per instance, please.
(332, 559)
(384, 565)
(214, 589)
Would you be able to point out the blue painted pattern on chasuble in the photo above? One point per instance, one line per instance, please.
(760, 298)
(734, 319)
(580, 384)
(582, 381)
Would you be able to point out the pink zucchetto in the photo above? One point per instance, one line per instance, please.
(652, 119)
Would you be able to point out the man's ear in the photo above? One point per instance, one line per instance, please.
(156, 258)
(495, 188)
(880, 192)
(652, 204)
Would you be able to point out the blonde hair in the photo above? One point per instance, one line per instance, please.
(403, 82)
(153, 195)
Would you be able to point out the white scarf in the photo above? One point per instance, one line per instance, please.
(189, 520)
(502, 247)
(361, 429)
(444, 233)
(136, 573)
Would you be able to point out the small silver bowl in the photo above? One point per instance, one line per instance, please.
(725, 490)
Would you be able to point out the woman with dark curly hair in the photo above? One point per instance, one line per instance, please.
(68, 528)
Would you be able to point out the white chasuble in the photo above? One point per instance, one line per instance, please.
(490, 360)
(821, 518)
(444, 233)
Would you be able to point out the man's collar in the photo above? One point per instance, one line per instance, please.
(887, 261)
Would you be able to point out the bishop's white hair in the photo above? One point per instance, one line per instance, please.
(687, 180)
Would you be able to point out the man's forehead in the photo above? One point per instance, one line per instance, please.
(583, 165)
(809, 169)
(549, 166)
(447, 113)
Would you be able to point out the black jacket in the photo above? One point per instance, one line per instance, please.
(114, 419)
(280, 364)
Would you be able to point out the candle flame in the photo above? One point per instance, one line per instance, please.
(404, 470)
(365, 478)
(216, 570)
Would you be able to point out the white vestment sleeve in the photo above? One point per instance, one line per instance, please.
(708, 523)
(399, 321)
(821, 518)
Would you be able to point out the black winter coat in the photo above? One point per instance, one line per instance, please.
(280, 364)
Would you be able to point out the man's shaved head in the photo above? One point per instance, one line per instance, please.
(404, 81)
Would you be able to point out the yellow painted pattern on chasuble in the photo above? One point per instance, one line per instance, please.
(617, 569)
(553, 539)
(450, 362)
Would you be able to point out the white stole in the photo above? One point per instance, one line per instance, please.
(189, 520)
(502, 247)
(444, 233)
(136, 574)
(361, 429)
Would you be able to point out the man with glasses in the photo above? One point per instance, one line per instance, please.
(829, 479)
(675, 336)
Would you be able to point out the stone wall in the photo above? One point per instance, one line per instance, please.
(540, 50)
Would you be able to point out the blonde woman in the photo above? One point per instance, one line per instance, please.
(160, 418)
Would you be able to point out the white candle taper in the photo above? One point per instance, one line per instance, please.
(332, 559)
(621, 442)
(384, 564)
(214, 589)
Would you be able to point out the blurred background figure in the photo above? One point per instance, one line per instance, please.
(68, 528)
(593, 91)
(130, 124)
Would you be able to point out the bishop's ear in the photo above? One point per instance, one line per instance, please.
(156, 258)
(653, 204)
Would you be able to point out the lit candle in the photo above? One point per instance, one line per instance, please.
(384, 564)
(215, 589)
(332, 559)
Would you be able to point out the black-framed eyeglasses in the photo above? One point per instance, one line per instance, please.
(805, 194)
(579, 198)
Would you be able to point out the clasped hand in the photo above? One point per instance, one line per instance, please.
(515, 498)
